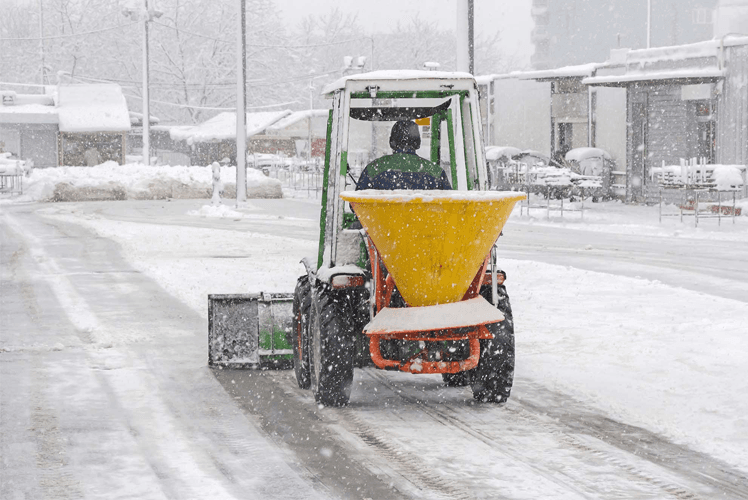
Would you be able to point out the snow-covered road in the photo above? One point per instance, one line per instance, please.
(105, 392)
(630, 341)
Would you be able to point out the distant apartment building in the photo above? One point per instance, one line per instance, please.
(569, 32)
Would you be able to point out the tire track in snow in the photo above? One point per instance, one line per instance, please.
(409, 465)
(587, 427)
(454, 417)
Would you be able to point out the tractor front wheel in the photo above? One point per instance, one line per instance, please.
(302, 300)
(492, 378)
(331, 350)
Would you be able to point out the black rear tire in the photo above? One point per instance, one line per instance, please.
(459, 379)
(331, 350)
(493, 377)
(302, 300)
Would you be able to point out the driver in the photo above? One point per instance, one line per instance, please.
(403, 169)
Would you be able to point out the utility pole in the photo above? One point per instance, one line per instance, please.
(146, 15)
(649, 23)
(311, 113)
(471, 35)
(241, 106)
(465, 35)
(146, 97)
(41, 41)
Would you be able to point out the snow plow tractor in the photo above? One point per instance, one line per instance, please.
(404, 280)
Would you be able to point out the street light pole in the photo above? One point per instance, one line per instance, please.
(649, 23)
(241, 105)
(41, 40)
(146, 98)
(146, 15)
(465, 36)
(471, 36)
(311, 114)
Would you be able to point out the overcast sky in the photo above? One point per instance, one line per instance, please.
(510, 17)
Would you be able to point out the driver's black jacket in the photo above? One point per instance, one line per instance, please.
(403, 171)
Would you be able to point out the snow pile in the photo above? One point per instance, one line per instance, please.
(10, 166)
(110, 181)
(220, 211)
(728, 177)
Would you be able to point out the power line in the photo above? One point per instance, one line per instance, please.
(36, 85)
(56, 37)
(255, 83)
(326, 44)
(213, 109)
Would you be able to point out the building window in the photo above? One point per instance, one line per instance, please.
(702, 16)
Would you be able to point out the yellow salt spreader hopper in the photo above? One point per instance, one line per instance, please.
(433, 247)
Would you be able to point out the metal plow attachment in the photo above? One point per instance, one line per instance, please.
(250, 330)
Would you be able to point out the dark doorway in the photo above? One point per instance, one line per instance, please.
(637, 175)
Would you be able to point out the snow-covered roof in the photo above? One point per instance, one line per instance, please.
(695, 62)
(28, 113)
(412, 76)
(708, 48)
(298, 116)
(92, 108)
(577, 71)
(26, 108)
(223, 126)
(694, 74)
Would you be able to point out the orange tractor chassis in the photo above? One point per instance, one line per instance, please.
(384, 286)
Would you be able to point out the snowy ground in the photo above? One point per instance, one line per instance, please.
(648, 354)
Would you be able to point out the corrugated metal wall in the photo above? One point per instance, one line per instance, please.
(732, 109)
(668, 126)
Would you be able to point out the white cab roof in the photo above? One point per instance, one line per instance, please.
(403, 80)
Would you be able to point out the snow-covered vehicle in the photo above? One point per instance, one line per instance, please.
(405, 280)
(530, 171)
(593, 169)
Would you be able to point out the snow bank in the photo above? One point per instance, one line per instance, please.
(217, 211)
(110, 181)
(10, 166)
(728, 177)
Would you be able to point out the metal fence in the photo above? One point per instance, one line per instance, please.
(11, 175)
(298, 179)
(11, 183)
(694, 205)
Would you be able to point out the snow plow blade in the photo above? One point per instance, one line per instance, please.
(250, 330)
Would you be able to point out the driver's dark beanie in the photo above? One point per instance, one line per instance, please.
(405, 137)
